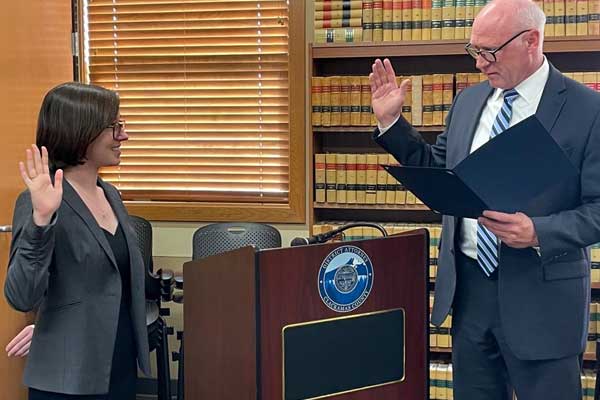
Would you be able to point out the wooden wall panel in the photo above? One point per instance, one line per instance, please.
(36, 55)
(11, 369)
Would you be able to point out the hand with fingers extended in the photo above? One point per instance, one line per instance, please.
(387, 98)
(45, 196)
(19, 346)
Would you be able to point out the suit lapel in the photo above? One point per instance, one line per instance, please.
(123, 218)
(71, 197)
(116, 204)
(477, 100)
(553, 99)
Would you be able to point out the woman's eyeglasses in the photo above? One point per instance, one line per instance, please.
(117, 128)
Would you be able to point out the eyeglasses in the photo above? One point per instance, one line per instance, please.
(490, 55)
(117, 128)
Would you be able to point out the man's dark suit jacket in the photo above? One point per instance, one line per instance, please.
(68, 271)
(543, 298)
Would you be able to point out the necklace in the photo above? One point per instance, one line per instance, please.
(98, 206)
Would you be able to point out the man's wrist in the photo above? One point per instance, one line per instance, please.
(386, 125)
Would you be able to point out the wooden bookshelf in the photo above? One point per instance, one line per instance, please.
(570, 44)
(446, 350)
(399, 207)
(368, 129)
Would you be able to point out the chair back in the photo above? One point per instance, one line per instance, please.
(225, 236)
(143, 238)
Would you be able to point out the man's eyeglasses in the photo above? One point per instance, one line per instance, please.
(490, 55)
(117, 128)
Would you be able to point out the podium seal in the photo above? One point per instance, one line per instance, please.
(345, 278)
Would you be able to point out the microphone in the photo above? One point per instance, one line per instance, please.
(323, 237)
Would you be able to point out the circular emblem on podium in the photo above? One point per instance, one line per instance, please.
(345, 278)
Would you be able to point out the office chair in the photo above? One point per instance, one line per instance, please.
(159, 287)
(221, 237)
(218, 238)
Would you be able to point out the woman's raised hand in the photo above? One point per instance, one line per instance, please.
(45, 196)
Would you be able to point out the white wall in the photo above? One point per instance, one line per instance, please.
(174, 239)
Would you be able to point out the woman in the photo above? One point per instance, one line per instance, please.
(73, 256)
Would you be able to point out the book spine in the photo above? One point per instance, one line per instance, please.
(315, 99)
(397, 20)
(345, 100)
(367, 20)
(340, 180)
(326, 102)
(417, 99)
(549, 11)
(407, 20)
(594, 18)
(559, 18)
(428, 100)
(361, 179)
(324, 5)
(351, 186)
(582, 17)
(330, 177)
(438, 103)
(371, 196)
(447, 95)
(417, 20)
(355, 99)
(382, 175)
(378, 20)
(388, 21)
(365, 101)
(320, 178)
(436, 19)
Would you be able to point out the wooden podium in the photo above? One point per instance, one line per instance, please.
(289, 324)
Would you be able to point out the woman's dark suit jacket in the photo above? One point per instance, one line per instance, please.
(67, 271)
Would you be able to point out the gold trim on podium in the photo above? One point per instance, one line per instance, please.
(320, 321)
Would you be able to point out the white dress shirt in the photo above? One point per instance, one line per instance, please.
(526, 104)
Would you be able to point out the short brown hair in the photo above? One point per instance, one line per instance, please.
(72, 115)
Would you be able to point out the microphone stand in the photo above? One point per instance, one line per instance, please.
(323, 237)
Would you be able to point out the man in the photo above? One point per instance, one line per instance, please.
(518, 286)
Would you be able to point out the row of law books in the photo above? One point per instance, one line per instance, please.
(346, 100)
(439, 337)
(363, 233)
(358, 179)
(339, 21)
(408, 20)
(594, 327)
(440, 382)
(588, 383)
(590, 79)
(595, 258)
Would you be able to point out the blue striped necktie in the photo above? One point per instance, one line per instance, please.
(487, 243)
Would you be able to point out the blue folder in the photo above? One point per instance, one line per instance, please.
(522, 169)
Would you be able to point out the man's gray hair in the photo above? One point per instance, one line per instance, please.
(530, 16)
